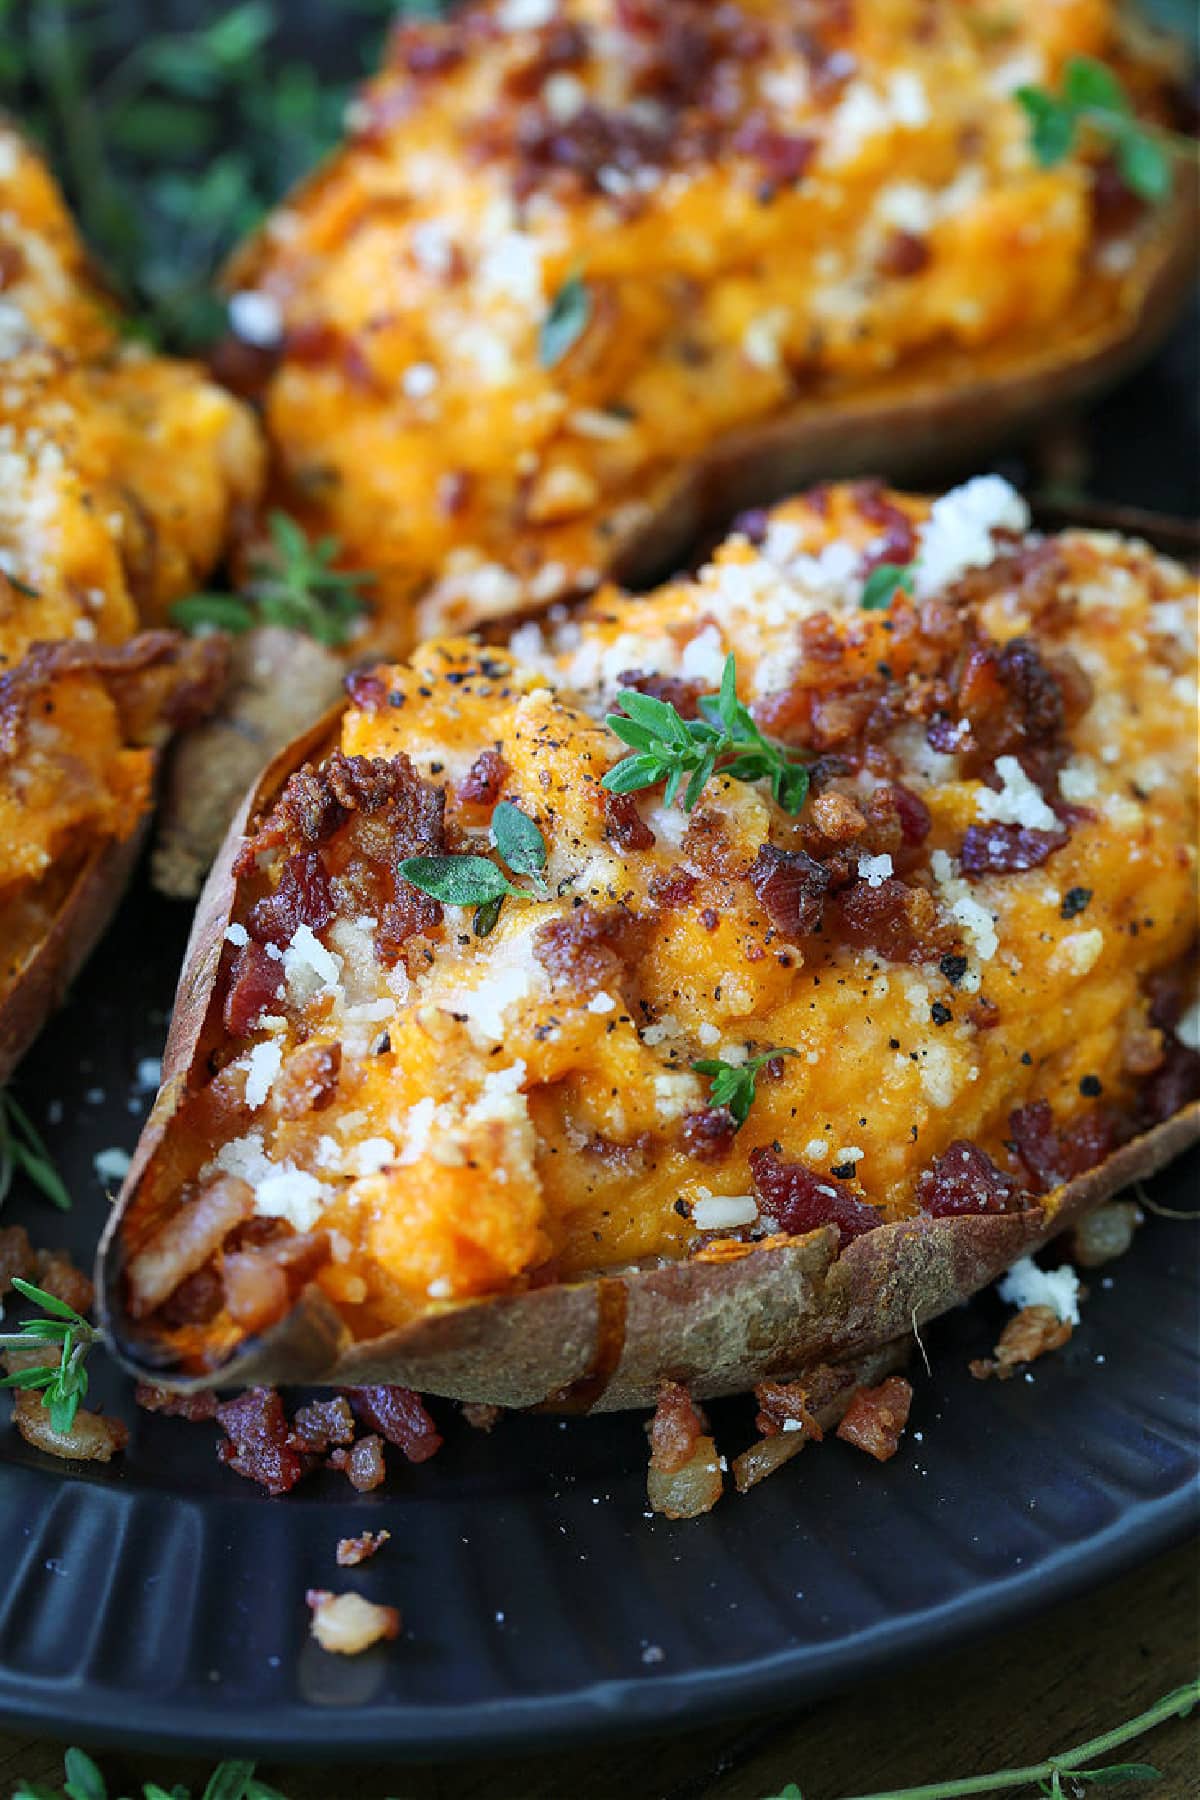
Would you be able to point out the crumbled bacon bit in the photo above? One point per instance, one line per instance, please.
(347, 1624)
(54, 1271)
(1007, 849)
(791, 888)
(709, 1133)
(308, 1080)
(624, 824)
(398, 1415)
(16, 1256)
(904, 254)
(673, 891)
(1034, 1331)
(876, 1417)
(783, 156)
(964, 1179)
(195, 1301)
(1051, 1155)
(481, 784)
(479, 1416)
(367, 690)
(785, 1403)
(257, 1441)
(682, 695)
(354, 1550)
(321, 1424)
(916, 821)
(589, 950)
(676, 1428)
(255, 980)
(1173, 1084)
(303, 897)
(193, 1407)
(363, 1464)
(897, 921)
(802, 1200)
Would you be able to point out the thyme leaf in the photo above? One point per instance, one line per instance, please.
(22, 1147)
(732, 1085)
(1092, 101)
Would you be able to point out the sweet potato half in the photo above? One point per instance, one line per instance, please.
(737, 1080)
(582, 282)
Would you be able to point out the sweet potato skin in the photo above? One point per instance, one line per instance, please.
(605, 1344)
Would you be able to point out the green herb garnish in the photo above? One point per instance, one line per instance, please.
(1092, 100)
(476, 880)
(732, 1084)
(724, 740)
(231, 1780)
(293, 584)
(565, 322)
(22, 1147)
(1059, 1776)
(64, 1383)
(884, 583)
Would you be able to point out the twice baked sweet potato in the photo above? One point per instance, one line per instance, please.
(719, 1092)
(588, 276)
(120, 474)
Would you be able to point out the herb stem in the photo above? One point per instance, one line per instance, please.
(1067, 1762)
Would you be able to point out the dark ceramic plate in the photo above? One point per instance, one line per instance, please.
(161, 1600)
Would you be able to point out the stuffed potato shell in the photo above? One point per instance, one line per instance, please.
(589, 272)
(522, 1057)
(120, 474)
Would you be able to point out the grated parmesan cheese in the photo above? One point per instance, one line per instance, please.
(1019, 801)
(958, 533)
(1028, 1285)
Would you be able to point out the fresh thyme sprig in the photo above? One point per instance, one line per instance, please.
(294, 584)
(566, 320)
(1092, 100)
(64, 1383)
(1050, 1778)
(476, 880)
(230, 1780)
(21, 1147)
(724, 740)
(733, 1084)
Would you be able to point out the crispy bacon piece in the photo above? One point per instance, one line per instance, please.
(791, 889)
(399, 1416)
(1034, 1331)
(187, 1240)
(589, 950)
(964, 1179)
(1007, 849)
(193, 1407)
(16, 1256)
(309, 1080)
(802, 1200)
(363, 1464)
(1173, 1084)
(354, 1550)
(682, 695)
(303, 897)
(195, 1301)
(1051, 1155)
(876, 1417)
(899, 922)
(318, 801)
(673, 891)
(320, 1425)
(785, 1406)
(257, 1441)
(624, 824)
(904, 254)
(483, 781)
(255, 981)
(479, 1416)
(709, 1133)
(676, 1428)
(347, 1624)
(54, 1271)
(783, 156)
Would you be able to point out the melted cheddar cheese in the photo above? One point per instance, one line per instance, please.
(737, 209)
(463, 1112)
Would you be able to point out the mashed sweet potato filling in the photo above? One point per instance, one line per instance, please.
(560, 256)
(969, 938)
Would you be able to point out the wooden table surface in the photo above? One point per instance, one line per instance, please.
(1064, 1676)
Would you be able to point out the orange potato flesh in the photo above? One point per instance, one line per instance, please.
(508, 1127)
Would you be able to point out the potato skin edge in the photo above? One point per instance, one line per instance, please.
(720, 1328)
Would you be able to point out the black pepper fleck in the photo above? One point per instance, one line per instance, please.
(1075, 901)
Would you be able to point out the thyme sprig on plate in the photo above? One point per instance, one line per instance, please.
(63, 1383)
(732, 1085)
(1091, 102)
(294, 583)
(479, 882)
(22, 1147)
(230, 1780)
(724, 740)
(1061, 1777)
